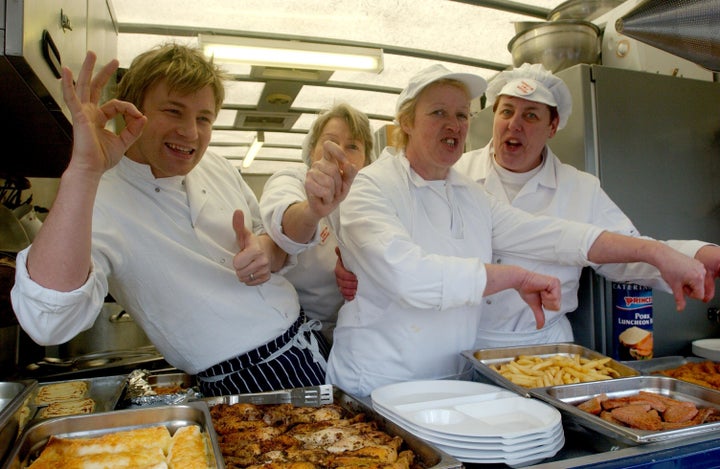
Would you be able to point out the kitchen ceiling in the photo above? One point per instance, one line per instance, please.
(465, 35)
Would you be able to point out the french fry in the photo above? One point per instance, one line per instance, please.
(536, 371)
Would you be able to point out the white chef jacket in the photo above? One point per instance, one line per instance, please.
(563, 191)
(418, 249)
(163, 248)
(313, 271)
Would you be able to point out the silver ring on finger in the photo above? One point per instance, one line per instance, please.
(252, 277)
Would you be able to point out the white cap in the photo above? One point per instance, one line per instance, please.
(475, 84)
(534, 83)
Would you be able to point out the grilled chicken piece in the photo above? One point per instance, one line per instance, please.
(283, 465)
(281, 436)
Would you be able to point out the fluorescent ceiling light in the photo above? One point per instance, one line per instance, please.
(255, 147)
(291, 54)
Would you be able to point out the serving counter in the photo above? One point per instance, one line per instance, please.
(589, 449)
(585, 447)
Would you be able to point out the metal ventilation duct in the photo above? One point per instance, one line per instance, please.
(686, 28)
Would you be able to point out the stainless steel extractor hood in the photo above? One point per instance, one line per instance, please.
(686, 28)
(39, 37)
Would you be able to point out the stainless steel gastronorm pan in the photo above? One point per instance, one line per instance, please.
(15, 411)
(429, 456)
(36, 436)
(104, 390)
(482, 359)
(566, 398)
(183, 380)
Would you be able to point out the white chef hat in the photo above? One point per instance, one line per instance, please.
(534, 83)
(475, 84)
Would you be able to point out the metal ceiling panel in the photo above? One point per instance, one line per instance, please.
(468, 36)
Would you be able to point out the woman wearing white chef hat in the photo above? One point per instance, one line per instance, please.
(517, 167)
(420, 237)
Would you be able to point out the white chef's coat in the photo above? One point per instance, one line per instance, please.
(313, 271)
(558, 190)
(419, 250)
(163, 248)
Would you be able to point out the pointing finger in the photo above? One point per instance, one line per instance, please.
(333, 152)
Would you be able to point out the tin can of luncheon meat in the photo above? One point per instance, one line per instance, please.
(632, 321)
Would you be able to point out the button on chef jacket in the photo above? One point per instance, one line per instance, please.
(418, 249)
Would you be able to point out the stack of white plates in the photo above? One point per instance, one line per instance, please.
(474, 422)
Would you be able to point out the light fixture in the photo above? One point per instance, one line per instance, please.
(255, 147)
(291, 54)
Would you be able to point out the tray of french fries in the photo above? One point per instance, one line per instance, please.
(537, 366)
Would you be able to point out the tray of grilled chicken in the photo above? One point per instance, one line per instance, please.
(321, 425)
(639, 409)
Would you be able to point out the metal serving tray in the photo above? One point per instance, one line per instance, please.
(482, 360)
(105, 391)
(568, 396)
(428, 455)
(15, 410)
(655, 365)
(184, 380)
(36, 436)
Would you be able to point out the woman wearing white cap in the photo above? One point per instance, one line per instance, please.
(420, 238)
(517, 167)
(298, 207)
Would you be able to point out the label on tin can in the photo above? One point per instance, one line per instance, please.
(632, 321)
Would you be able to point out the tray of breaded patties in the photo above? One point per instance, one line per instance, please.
(696, 370)
(178, 436)
(638, 410)
(77, 396)
(523, 368)
(254, 430)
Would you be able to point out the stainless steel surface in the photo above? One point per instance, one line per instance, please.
(183, 380)
(686, 28)
(567, 397)
(105, 391)
(429, 456)
(557, 45)
(312, 396)
(14, 412)
(35, 437)
(582, 9)
(96, 364)
(114, 330)
(652, 366)
(41, 36)
(482, 359)
(10, 391)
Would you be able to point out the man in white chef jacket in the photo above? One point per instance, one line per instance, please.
(530, 105)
